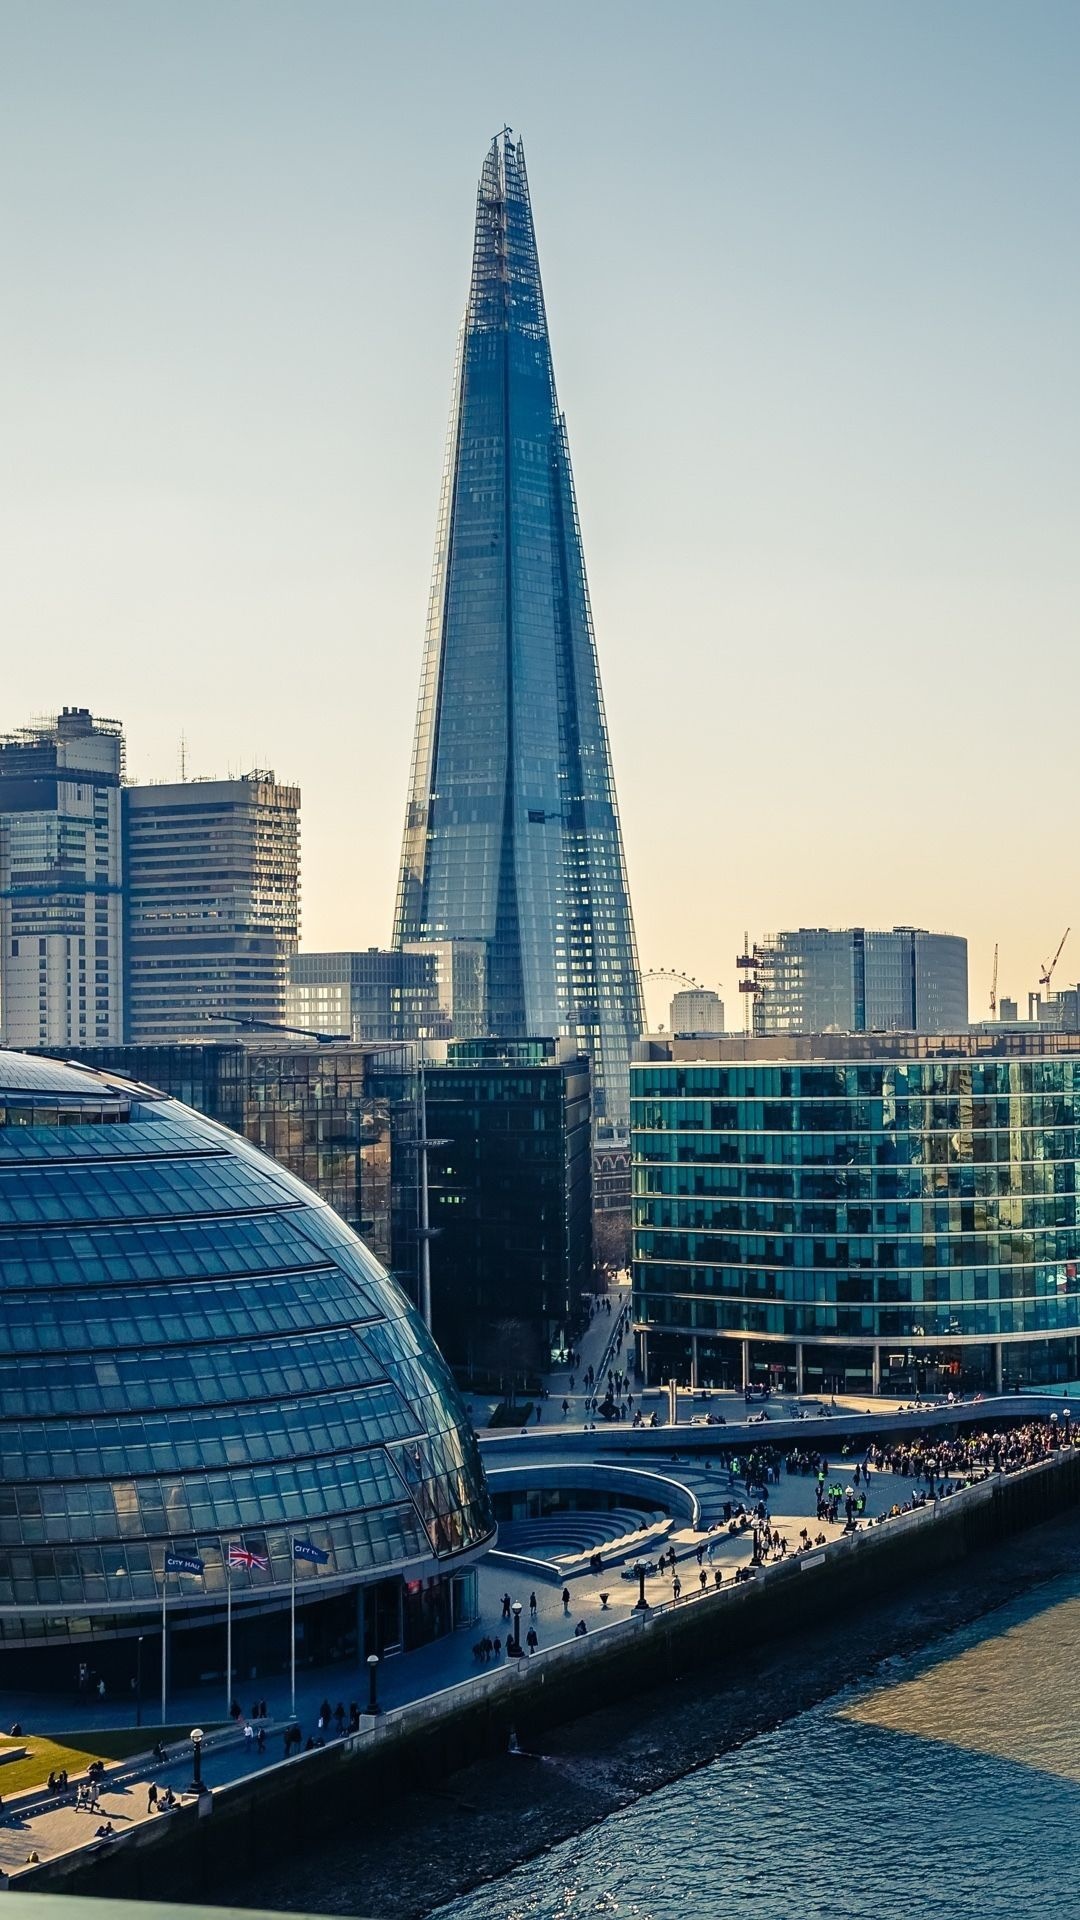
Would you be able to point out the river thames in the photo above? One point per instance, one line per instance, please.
(947, 1786)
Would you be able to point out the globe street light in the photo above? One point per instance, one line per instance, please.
(198, 1785)
(373, 1681)
(516, 1644)
(642, 1605)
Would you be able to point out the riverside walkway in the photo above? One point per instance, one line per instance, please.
(35, 1823)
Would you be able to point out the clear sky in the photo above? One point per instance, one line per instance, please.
(813, 281)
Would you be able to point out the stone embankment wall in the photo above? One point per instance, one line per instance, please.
(285, 1808)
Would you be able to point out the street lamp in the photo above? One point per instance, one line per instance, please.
(373, 1682)
(516, 1646)
(138, 1683)
(198, 1784)
(642, 1605)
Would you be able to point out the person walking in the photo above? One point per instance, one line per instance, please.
(531, 1640)
(532, 1605)
(151, 1797)
(566, 1599)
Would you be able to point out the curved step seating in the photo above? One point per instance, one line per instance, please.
(568, 1541)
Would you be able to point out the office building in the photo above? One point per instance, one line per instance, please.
(376, 995)
(696, 1010)
(433, 990)
(461, 987)
(512, 831)
(196, 1353)
(212, 885)
(61, 971)
(859, 1213)
(858, 980)
(510, 1205)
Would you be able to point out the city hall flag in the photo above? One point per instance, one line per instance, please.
(240, 1556)
(305, 1550)
(183, 1563)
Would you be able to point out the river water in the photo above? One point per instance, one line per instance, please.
(948, 1786)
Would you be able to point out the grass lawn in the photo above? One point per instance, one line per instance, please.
(75, 1752)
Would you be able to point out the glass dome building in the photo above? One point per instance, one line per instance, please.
(198, 1358)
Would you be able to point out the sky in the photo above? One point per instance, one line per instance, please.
(813, 281)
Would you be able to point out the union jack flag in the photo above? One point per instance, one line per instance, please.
(243, 1557)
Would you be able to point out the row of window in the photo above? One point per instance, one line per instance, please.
(844, 1080)
(983, 1320)
(203, 1439)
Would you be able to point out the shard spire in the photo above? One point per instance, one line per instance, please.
(512, 831)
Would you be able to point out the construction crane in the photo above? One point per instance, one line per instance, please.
(993, 985)
(1047, 973)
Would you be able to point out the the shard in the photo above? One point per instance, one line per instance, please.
(512, 830)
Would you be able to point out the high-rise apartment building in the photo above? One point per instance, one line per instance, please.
(61, 974)
(212, 899)
(512, 830)
(860, 980)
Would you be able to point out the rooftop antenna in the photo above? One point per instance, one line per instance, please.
(183, 756)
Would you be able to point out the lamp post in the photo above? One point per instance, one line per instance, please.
(138, 1683)
(198, 1785)
(373, 1683)
(642, 1605)
(516, 1611)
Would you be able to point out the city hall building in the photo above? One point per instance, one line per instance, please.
(207, 1383)
(858, 1212)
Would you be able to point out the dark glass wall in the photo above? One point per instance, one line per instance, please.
(510, 1196)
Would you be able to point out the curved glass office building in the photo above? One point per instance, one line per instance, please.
(198, 1356)
(892, 1212)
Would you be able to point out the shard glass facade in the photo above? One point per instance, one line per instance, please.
(512, 830)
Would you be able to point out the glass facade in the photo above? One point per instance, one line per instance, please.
(512, 832)
(510, 1202)
(860, 980)
(342, 1118)
(889, 1221)
(195, 1350)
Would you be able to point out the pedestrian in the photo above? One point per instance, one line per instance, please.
(676, 1586)
(531, 1640)
(260, 1740)
(101, 1689)
(580, 1630)
(496, 1646)
(249, 1733)
(151, 1797)
(506, 1606)
(532, 1605)
(566, 1599)
(339, 1715)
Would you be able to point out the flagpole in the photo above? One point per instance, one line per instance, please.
(164, 1593)
(228, 1632)
(292, 1620)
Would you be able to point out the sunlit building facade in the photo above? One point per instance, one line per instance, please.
(512, 831)
(859, 1213)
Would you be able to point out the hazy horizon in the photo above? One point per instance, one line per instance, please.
(813, 290)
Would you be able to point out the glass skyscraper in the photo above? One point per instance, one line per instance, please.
(512, 830)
